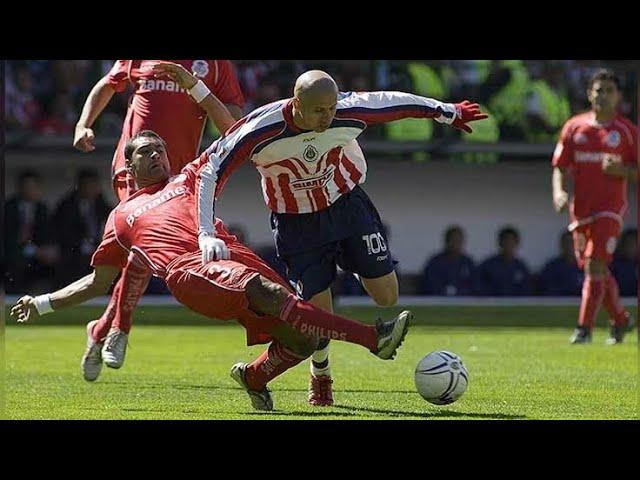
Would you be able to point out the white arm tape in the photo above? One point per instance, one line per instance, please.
(43, 304)
(199, 91)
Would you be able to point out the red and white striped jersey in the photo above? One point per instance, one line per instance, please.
(306, 171)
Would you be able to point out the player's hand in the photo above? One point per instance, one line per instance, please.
(175, 72)
(25, 309)
(83, 139)
(560, 200)
(212, 248)
(467, 112)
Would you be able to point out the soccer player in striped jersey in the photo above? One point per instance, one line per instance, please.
(312, 167)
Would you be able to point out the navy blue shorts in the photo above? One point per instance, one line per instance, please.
(348, 234)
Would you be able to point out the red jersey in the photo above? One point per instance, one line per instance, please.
(157, 224)
(581, 149)
(159, 104)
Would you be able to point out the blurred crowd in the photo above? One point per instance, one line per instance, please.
(49, 249)
(529, 100)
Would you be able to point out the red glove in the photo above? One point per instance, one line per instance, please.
(467, 112)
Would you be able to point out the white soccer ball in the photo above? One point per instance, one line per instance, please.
(441, 377)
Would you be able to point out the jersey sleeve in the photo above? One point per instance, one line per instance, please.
(224, 84)
(110, 252)
(118, 76)
(563, 153)
(380, 107)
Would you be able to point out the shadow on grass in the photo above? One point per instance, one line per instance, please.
(421, 414)
(223, 387)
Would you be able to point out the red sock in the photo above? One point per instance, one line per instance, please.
(135, 278)
(101, 329)
(592, 295)
(274, 361)
(617, 314)
(313, 321)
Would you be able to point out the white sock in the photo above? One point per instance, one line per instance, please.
(320, 362)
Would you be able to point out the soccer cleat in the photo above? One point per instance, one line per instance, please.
(261, 400)
(91, 363)
(115, 348)
(580, 335)
(320, 392)
(391, 334)
(617, 332)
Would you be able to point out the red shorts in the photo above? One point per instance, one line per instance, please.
(218, 289)
(596, 240)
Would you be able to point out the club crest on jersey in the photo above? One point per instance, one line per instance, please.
(310, 153)
(200, 68)
(613, 139)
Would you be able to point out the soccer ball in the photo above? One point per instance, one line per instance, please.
(441, 377)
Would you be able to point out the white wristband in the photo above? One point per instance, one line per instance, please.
(43, 304)
(199, 91)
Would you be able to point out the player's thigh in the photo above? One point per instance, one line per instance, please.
(216, 290)
(604, 239)
(367, 254)
(312, 272)
(581, 236)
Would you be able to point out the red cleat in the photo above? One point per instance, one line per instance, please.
(320, 392)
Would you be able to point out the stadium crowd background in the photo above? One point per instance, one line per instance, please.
(528, 101)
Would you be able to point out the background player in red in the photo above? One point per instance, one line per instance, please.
(174, 103)
(599, 150)
(158, 226)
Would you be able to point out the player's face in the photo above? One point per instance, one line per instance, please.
(604, 96)
(317, 111)
(149, 163)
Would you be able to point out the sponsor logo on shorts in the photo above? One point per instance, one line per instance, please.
(382, 258)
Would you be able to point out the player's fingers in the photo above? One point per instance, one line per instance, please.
(467, 128)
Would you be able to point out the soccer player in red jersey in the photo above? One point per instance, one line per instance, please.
(175, 103)
(599, 150)
(158, 227)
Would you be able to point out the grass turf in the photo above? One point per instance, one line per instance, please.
(519, 361)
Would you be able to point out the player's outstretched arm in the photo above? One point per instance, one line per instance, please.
(97, 100)
(388, 106)
(215, 109)
(88, 287)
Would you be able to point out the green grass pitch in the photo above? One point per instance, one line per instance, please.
(519, 361)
